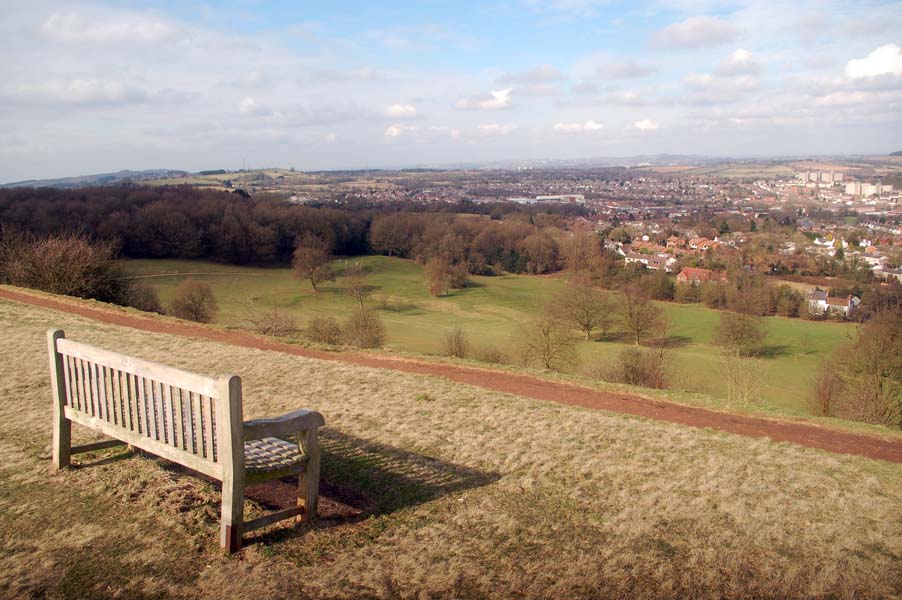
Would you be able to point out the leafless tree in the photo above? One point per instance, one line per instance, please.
(639, 313)
(549, 342)
(311, 261)
(827, 389)
(584, 307)
(357, 283)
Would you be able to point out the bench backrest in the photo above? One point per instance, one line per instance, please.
(188, 418)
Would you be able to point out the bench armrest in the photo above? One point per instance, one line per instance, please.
(292, 422)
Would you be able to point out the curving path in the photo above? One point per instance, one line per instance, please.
(803, 434)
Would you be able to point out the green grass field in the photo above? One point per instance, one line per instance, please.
(492, 311)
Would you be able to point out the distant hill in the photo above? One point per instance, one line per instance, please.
(896, 153)
(81, 181)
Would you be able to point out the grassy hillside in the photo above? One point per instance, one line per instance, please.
(435, 489)
(492, 312)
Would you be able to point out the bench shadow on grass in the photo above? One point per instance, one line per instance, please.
(361, 478)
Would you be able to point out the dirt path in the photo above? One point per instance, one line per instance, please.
(513, 383)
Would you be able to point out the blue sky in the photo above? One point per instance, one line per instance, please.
(97, 86)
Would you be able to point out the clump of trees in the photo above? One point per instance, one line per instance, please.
(193, 301)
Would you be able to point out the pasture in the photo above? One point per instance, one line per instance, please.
(492, 311)
(435, 489)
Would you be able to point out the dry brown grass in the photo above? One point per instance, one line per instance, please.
(468, 493)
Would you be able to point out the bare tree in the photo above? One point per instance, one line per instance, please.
(193, 301)
(640, 315)
(742, 333)
(311, 261)
(549, 342)
(357, 283)
(827, 389)
(584, 307)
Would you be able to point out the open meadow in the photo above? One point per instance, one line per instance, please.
(435, 489)
(492, 311)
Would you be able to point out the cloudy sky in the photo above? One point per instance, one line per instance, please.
(99, 86)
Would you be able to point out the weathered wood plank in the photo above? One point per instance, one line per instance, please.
(286, 424)
(97, 446)
(209, 428)
(62, 427)
(139, 441)
(231, 456)
(184, 379)
(179, 429)
(271, 518)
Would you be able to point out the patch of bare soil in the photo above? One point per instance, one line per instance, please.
(803, 434)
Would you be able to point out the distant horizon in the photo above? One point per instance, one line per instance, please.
(509, 163)
(99, 86)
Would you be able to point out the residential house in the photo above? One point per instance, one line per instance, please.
(697, 276)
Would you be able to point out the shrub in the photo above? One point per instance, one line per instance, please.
(324, 330)
(71, 265)
(456, 343)
(642, 367)
(143, 297)
(364, 329)
(270, 321)
(492, 355)
(193, 301)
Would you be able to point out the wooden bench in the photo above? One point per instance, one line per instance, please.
(189, 419)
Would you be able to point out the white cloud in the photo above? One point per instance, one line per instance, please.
(249, 108)
(494, 100)
(588, 126)
(645, 125)
(401, 111)
(740, 62)
(540, 74)
(452, 132)
(885, 60)
(495, 129)
(625, 70)
(397, 130)
(695, 32)
(79, 92)
(133, 29)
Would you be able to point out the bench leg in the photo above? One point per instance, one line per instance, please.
(232, 516)
(62, 441)
(308, 481)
